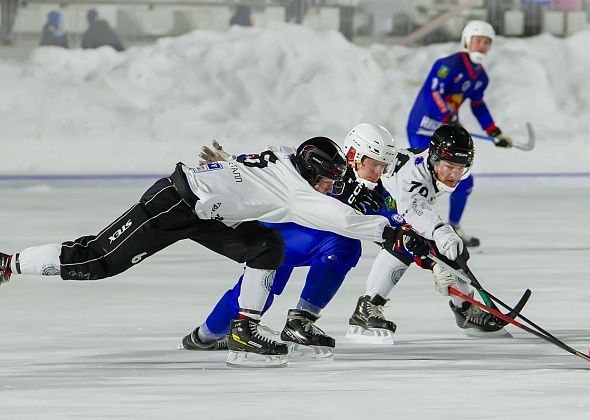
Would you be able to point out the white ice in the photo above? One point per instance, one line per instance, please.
(108, 348)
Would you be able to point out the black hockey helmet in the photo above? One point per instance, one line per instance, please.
(451, 144)
(320, 157)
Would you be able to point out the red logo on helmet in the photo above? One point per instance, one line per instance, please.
(350, 155)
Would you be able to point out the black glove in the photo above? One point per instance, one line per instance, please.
(500, 139)
(403, 237)
(357, 195)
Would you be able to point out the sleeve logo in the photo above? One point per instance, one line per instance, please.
(443, 72)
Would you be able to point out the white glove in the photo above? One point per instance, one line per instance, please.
(215, 155)
(448, 242)
(443, 279)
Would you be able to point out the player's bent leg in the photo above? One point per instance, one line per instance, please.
(213, 333)
(335, 258)
(262, 249)
(247, 344)
(329, 269)
(368, 323)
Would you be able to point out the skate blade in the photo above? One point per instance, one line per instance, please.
(357, 334)
(475, 333)
(301, 352)
(245, 359)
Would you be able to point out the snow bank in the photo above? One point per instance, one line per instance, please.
(98, 111)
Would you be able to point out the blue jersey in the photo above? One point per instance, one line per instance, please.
(451, 80)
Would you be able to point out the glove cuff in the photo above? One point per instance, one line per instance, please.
(495, 132)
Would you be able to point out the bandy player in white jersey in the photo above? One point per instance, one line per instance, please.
(417, 180)
(219, 205)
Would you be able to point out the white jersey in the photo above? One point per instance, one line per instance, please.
(413, 187)
(268, 187)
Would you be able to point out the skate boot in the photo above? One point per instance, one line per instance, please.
(304, 339)
(469, 241)
(5, 267)
(193, 342)
(477, 322)
(249, 348)
(367, 323)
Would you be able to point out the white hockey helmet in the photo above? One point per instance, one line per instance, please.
(476, 28)
(370, 140)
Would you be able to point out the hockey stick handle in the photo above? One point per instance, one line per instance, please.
(529, 145)
(514, 322)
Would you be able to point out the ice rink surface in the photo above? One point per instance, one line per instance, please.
(108, 348)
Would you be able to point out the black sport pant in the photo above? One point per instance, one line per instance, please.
(160, 219)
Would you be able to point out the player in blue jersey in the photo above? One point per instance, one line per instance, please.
(329, 256)
(451, 81)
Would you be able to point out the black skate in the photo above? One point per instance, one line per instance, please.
(193, 342)
(5, 268)
(477, 322)
(249, 348)
(304, 338)
(469, 241)
(367, 323)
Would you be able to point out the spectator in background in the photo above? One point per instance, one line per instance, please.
(52, 33)
(241, 16)
(100, 33)
(8, 10)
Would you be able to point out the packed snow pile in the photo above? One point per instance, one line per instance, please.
(140, 111)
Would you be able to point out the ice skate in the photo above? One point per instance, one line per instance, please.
(367, 323)
(477, 322)
(469, 241)
(304, 339)
(249, 348)
(5, 268)
(193, 342)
